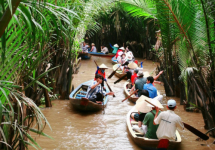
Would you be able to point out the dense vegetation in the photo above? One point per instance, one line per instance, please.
(40, 42)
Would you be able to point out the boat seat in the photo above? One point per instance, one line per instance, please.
(80, 95)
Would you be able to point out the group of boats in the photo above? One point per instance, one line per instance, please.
(87, 55)
(77, 102)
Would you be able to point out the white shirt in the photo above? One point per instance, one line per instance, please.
(168, 122)
(104, 50)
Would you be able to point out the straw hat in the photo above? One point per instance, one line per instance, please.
(156, 103)
(141, 104)
(132, 65)
(103, 66)
(93, 44)
(122, 48)
(116, 45)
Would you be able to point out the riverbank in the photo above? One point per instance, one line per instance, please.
(75, 130)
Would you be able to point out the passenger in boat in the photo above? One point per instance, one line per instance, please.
(93, 49)
(129, 70)
(122, 59)
(101, 70)
(142, 108)
(156, 77)
(115, 48)
(95, 92)
(139, 83)
(85, 47)
(149, 119)
(134, 76)
(120, 51)
(168, 122)
(150, 88)
(130, 56)
(104, 50)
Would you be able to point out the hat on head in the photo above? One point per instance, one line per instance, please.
(120, 53)
(171, 103)
(103, 66)
(141, 104)
(92, 44)
(122, 48)
(116, 45)
(156, 103)
(140, 73)
(132, 65)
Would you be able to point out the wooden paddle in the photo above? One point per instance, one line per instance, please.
(190, 128)
(110, 76)
(106, 82)
(130, 95)
(120, 79)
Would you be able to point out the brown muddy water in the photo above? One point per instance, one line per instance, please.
(107, 129)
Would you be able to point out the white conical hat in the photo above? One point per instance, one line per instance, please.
(132, 65)
(103, 66)
(156, 103)
(116, 45)
(122, 48)
(141, 104)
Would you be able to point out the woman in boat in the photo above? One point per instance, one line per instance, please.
(104, 50)
(93, 49)
(95, 92)
(120, 51)
(101, 70)
(115, 48)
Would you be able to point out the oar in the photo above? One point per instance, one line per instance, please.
(106, 82)
(130, 95)
(190, 128)
(120, 79)
(110, 76)
(110, 88)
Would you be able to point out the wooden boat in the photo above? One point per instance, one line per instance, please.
(85, 105)
(84, 55)
(119, 73)
(114, 61)
(127, 88)
(101, 54)
(144, 142)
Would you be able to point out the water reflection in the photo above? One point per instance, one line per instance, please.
(73, 129)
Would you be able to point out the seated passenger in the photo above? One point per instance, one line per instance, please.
(85, 48)
(95, 92)
(150, 88)
(134, 76)
(115, 48)
(104, 50)
(93, 49)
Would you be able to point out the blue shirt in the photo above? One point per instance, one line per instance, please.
(92, 92)
(151, 89)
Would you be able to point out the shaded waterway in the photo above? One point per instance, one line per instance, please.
(106, 129)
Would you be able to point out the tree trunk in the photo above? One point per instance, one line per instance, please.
(47, 99)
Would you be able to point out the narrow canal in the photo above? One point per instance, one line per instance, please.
(107, 129)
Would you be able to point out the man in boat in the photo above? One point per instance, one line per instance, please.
(115, 48)
(104, 50)
(85, 48)
(150, 87)
(134, 76)
(149, 119)
(101, 70)
(139, 83)
(93, 49)
(168, 121)
(95, 92)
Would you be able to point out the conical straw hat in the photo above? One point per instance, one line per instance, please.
(141, 104)
(132, 65)
(103, 66)
(122, 48)
(116, 45)
(156, 103)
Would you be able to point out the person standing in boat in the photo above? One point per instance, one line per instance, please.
(104, 50)
(93, 49)
(115, 48)
(95, 92)
(101, 70)
(168, 122)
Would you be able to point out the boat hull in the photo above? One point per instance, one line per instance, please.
(119, 73)
(114, 61)
(84, 56)
(86, 105)
(101, 54)
(144, 142)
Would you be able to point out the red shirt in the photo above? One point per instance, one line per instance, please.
(99, 72)
(117, 53)
(133, 77)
